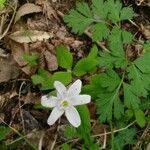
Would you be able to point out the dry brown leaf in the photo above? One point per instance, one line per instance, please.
(51, 61)
(18, 51)
(8, 69)
(30, 36)
(29, 70)
(47, 9)
(25, 9)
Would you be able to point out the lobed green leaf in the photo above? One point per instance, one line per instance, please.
(64, 57)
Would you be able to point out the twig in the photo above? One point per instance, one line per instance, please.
(20, 80)
(140, 2)
(12, 18)
(2, 23)
(115, 131)
(20, 138)
(104, 134)
(21, 114)
(132, 22)
(41, 141)
(105, 140)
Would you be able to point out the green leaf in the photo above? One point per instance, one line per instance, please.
(99, 9)
(46, 81)
(116, 42)
(93, 53)
(38, 106)
(114, 9)
(4, 132)
(109, 103)
(129, 114)
(109, 80)
(94, 87)
(64, 57)
(84, 9)
(117, 13)
(100, 31)
(65, 147)
(130, 99)
(139, 81)
(127, 37)
(143, 62)
(84, 129)
(64, 77)
(147, 46)
(31, 59)
(84, 66)
(2, 2)
(116, 57)
(83, 16)
(43, 79)
(145, 104)
(106, 60)
(106, 103)
(70, 132)
(85, 120)
(124, 138)
(140, 117)
(79, 19)
(126, 13)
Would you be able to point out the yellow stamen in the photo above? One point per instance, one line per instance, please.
(64, 103)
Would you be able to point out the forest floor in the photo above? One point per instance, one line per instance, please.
(19, 98)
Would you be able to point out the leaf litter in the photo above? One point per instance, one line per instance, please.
(41, 20)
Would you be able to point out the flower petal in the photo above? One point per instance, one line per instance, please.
(49, 101)
(80, 100)
(61, 89)
(73, 116)
(55, 114)
(75, 88)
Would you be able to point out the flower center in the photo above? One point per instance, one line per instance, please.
(64, 103)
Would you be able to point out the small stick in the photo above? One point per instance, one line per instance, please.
(104, 134)
(12, 18)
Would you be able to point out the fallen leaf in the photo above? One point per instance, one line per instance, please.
(29, 121)
(8, 69)
(47, 9)
(18, 50)
(30, 36)
(25, 9)
(51, 61)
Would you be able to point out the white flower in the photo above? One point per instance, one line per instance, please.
(65, 102)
